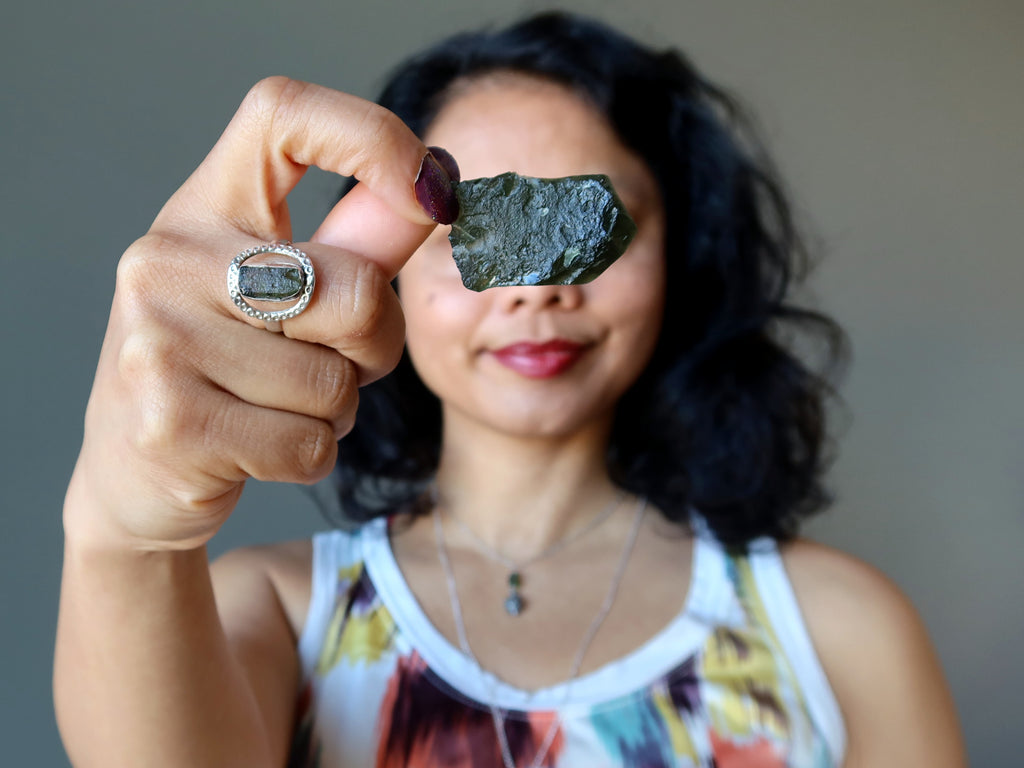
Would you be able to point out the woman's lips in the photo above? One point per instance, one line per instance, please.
(540, 360)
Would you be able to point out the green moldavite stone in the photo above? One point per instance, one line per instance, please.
(265, 282)
(518, 230)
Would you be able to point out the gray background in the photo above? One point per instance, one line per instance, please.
(898, 124)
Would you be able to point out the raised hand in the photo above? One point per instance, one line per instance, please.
(191, 396)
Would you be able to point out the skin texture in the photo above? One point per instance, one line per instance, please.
(522, 460)
(190, 399)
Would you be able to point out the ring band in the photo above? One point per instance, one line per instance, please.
(273, 282)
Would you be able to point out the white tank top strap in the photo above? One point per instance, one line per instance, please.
(786, 625)
(332, 551)
(790, 629)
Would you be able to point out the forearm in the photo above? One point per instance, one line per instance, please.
(143, 671)
(189, 402)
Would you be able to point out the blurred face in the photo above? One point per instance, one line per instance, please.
(537, 360)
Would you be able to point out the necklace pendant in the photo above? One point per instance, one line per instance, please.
(514, 601)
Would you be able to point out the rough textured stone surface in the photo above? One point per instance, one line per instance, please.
(518, 230)
(269, 283)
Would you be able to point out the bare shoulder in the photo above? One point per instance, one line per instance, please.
(843, 590)
(857, 617)
(276, 575)
(878, 657)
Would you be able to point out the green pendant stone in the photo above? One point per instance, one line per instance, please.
(519, 230)
(265, 282)
(514, 580)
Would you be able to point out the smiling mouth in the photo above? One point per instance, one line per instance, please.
(540, 360)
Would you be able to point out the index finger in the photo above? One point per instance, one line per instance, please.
(284, 126)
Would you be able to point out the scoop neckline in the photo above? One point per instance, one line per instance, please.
(677, 641)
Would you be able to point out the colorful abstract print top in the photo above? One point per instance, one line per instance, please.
(731, 682)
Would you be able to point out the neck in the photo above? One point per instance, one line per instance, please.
(518, 495)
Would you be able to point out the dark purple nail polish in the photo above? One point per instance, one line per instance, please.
(446, 161)
(435, 190)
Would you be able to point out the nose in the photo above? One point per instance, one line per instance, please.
(536, 297)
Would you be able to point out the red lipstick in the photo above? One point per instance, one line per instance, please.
(540, 360)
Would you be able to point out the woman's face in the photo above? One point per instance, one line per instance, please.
(539, 360)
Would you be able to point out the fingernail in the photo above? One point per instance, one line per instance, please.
(435, 187)
(445, 159)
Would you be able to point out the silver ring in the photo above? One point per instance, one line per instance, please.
(274, 282)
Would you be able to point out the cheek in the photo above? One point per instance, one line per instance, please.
(634, 287)
(440, 313)
(439, 301)
(640, 316)
(427, 282)
(440, 336)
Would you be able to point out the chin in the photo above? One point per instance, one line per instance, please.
(530, 421)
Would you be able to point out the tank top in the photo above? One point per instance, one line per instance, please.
(732, 681)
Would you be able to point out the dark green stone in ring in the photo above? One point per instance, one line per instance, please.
(267, 282)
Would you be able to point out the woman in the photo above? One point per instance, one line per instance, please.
(581, 501)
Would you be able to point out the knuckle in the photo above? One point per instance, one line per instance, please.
(134, 270)
(377, 123)
(144, 357)
(141, 271)
(162, 424)
(367, 323)
(392, 354)
(161, 391)
(315, 452)
(365, 311)
(272, 96)
(265, 94)
(378, 131)
(333, 383)
(344, 422)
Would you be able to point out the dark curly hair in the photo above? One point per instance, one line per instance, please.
(726, 419)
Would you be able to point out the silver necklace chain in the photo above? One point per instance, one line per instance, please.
(514, 602)
(577, 663)
(555, 548)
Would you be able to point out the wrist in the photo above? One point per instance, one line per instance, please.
(93, 523)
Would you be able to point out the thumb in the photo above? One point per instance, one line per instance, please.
(363, 223)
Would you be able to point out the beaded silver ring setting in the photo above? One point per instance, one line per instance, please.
(271, 282)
